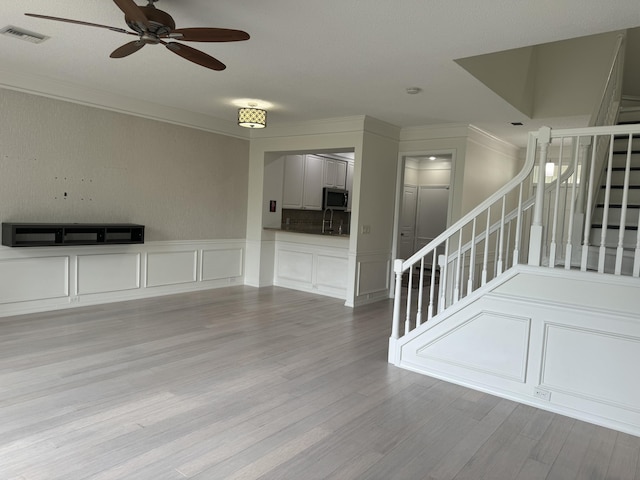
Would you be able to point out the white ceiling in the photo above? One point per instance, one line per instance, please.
(309, 60)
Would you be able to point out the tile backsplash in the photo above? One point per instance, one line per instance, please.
(311, 220)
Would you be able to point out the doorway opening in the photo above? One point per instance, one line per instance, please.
(424, 210)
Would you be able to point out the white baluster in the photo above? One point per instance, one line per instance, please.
(577, 152)
(623, 212)
(395, 328)
(587, 214)
(605, 215)
(472, 258)
(434, 262)
(444, 267)
(486, 247)
(516, 242)
(407, 320)
(456, 288)
(501, 242)
(420, 293)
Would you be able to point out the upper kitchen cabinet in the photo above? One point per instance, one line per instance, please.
(349, 184)
(335, 173)
(303, 176)
(293, 181)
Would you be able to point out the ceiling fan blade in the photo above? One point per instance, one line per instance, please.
(78, 22)
(209, 35)
(127, 49)
(132, 12)
(195, 56)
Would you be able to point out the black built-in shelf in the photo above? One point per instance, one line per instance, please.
(58, 234)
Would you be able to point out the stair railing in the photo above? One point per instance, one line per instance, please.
(520, 223)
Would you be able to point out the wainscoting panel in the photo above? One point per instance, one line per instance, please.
(25, 279)
(489, 342)
(586, 363)
(49, 278)
(170, 268)
(107, 273)
(329, 272)
(373, 277)
(224, 263)
(296, 266)
(312, 263)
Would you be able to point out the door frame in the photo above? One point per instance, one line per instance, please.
(402, 157)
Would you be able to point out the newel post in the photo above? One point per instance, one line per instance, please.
(395, 329)
(535, 239)
(397, 268)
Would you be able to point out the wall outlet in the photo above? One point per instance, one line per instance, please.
(542, 394)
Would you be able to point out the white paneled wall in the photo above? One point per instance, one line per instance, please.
(47, 278)
(312, 263)
(554, 348)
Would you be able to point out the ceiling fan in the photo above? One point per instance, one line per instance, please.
(153, 26)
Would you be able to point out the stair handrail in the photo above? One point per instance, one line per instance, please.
(526, 204)
(400, 266)
(466, 219)
(606, 110)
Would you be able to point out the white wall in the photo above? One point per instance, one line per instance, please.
(181, 183)
(187, 186)
(489, 164)
(481, 163)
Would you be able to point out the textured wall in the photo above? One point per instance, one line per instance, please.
(61, 161)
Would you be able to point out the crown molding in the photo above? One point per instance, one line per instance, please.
(55, 89)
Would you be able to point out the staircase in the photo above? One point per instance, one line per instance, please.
(525, 297)
(610, 228)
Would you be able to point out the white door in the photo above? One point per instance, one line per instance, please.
(433, 204)
(408, 222)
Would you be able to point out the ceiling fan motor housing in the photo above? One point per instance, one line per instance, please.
(160, 23)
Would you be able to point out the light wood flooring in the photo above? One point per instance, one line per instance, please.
(244, 383)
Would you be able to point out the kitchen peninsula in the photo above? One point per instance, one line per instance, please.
(307, 260)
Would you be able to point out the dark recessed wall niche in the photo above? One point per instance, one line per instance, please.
(58, 234)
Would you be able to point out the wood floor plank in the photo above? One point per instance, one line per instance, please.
(624, 458)
(245, 383)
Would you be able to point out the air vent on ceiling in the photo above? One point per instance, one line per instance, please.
(22, 34)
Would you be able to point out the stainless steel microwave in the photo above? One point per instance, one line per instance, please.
(334, 198)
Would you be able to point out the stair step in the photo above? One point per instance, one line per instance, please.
(617, 205)
(615, 227)
(618, 174)
(630, 237)
(620, 187)
(620, 160)
(614, 217)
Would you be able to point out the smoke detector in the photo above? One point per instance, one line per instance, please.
(22, 34)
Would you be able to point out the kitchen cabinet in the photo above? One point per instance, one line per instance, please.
(312, 195)
(335, 173)
(302, 187)
(293, 181)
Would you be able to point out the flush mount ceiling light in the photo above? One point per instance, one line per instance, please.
(252, 117)
(413, 90)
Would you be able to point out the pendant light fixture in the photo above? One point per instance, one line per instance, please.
(252, 117)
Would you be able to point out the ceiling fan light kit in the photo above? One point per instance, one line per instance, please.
(251, 117)
(153, 26)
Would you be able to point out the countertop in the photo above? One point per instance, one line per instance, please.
(309, 230)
